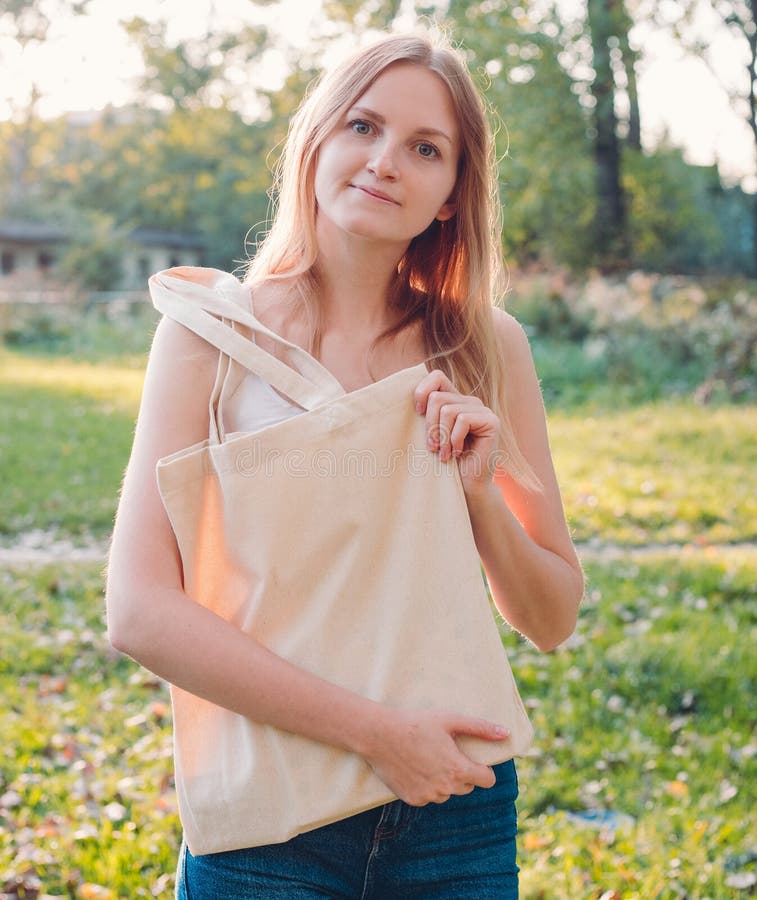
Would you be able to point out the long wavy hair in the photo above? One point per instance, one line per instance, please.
(451, 273)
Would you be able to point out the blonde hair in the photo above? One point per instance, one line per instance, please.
(451, 272)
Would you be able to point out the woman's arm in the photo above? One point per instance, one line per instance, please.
(151, 618)
(521, 535)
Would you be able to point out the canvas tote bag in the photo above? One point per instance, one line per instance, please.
(337, 540)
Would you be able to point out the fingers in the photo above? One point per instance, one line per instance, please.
(478, 775)
(451, 417)
(480, 728)
(449, 421)
(460, 779)
(418, 757)
(434, 381)
(464, 777)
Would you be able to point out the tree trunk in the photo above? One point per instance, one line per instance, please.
(610, 221)
(630, 56)
(751, 36)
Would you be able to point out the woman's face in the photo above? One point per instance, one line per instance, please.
(389, 167)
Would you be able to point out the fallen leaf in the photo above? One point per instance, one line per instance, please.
(742, 881)
(727, 790)
(52, 684)
(677, 789)
(161, 884)
(159, 711)
(10, 799)
(89, 891)
(116, 812)
(24, 885)
(533, 841)
(134, 721)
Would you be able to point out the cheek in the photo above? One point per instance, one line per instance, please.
(440, 193)
(320, 178)
(328, 168)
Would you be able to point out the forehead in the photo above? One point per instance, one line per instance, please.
(413, 96)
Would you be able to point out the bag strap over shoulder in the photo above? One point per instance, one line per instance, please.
(209, 302)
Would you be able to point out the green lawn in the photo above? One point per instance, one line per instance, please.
(640, 784)
(85, 767)
(646, 714)
(657, 472)
(649, 713)
(67, 429)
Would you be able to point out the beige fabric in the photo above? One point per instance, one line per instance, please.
(338, 541)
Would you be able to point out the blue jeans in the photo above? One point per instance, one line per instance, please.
(463, 849)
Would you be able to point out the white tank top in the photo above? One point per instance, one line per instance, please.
(255, 405)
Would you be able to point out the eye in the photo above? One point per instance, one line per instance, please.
(428, 151)
(360, 126)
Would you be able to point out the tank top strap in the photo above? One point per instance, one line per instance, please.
(209, 302)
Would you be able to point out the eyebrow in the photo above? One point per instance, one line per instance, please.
(429, 132)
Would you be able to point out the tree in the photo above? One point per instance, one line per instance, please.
(610, 228)
(193, 73)
(26, 23)
(739, 17)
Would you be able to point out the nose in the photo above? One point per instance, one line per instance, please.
(383, 163)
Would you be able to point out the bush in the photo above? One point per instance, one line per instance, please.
(651, 335)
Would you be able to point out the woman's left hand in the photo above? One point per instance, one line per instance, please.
(459, 426)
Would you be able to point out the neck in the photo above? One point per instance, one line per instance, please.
(355, 277)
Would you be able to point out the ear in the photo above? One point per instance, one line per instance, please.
(447, 211)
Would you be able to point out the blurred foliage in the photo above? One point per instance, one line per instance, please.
(94, 255)
(640, 337)
(194, 153)
(670, 229)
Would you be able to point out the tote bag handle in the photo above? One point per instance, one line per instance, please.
(202, 308)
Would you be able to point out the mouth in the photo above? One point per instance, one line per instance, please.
(376, 194)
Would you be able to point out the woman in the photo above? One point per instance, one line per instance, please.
(384, 253)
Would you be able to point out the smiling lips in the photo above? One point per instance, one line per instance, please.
(372, 192)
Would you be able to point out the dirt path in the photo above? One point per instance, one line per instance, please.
(598, 551)
(42, 548)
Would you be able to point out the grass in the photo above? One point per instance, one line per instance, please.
(65, 442)
(648, 712)
(661, 472)
(645, 713)
(639, 786)
(657, 472)
(86, 798)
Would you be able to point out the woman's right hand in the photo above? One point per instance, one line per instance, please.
(415, 754)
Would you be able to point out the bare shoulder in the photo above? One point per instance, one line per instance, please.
(179, 378)
(510, 332)
(520, 373)
(175, 346)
